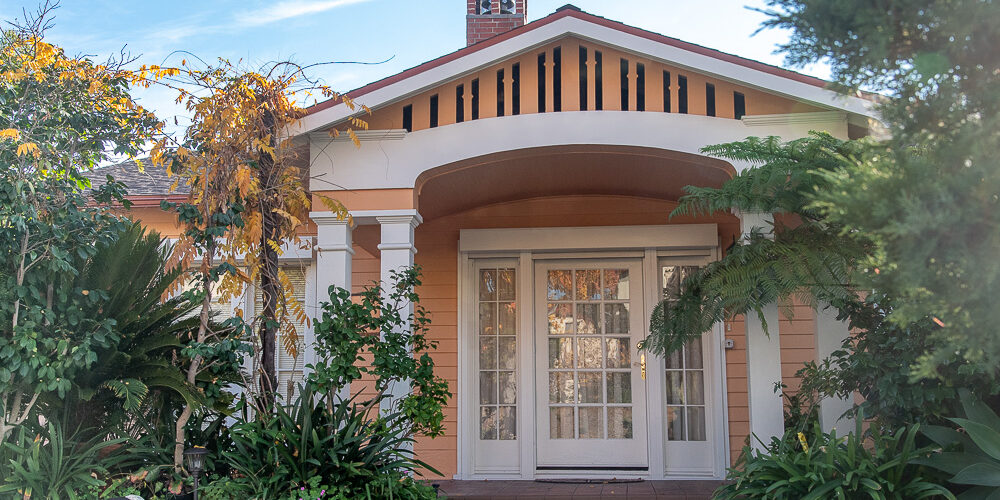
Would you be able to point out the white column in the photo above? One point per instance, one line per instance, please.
(830, 335)
(397, 251)
(767, 417)
(334, 253)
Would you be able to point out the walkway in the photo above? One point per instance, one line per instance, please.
(539, 490)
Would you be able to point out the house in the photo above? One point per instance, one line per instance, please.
(531, 175)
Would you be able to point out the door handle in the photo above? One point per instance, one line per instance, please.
(642, 365)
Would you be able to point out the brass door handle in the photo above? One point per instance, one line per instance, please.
(642, 365)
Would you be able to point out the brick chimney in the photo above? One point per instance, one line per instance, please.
(488, 18)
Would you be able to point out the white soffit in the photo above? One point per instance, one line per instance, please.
(572, 26)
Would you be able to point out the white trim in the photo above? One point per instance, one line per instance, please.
(526, 255)
(679, 236)
(767, 418)
(398, 164)
(830, 335)
(789, 118)
(571, 26)
(392, 134)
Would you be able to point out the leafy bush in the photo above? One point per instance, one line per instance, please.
(345, 444)
(971, 454)
(44, 463)
(827, 466)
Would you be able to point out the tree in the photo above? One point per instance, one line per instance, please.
(926, 196)
(247, 197)
(59, 115)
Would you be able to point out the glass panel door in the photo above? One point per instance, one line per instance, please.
(591, 395)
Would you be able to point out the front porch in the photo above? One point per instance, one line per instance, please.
(548, 490)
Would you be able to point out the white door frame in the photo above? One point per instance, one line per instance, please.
(522, 247)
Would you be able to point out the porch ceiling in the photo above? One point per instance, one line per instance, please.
(564, 170)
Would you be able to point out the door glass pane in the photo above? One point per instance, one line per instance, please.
(488, 318)
(561, 352)
(508, 388)
(488, 422)
(505, 285)
(695, 387)
(507, 425)
(616, 318)
(588, 319)
(487, 353)
(590, 387)
(620, 387)
(488, 388)
(692, 354)
(675, 387)
(487, 284)
(588, 284)
(506, 318)
(559, 285)
(561, 422)
(591, 422)
(696, 423)
(561, 387)
(675, 361)
(619, 422)
(590, 352)
(560, 319)
(619, 355)
(675, 423)
(616, 284)
(507, 353)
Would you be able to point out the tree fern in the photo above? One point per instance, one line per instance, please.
(809, 258)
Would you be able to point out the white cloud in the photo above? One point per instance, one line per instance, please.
(289, 9)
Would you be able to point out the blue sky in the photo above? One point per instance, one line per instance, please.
(407, 32)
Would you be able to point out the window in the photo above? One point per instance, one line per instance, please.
(288, 368)
(557, 79)
(598, 80)
(624, 84)
(500, 103)
(475, 99)
(460, 104)
(541, 82)
(685, 371)
(739, 105)
(497, 330)
(589, 354)
(666, 91)
(434, 110)
(709, 99)
(682, 94)
(583, 79)
(408, 117)
(640, 87)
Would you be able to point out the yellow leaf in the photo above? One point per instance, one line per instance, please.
(9, 133)
(28, 147)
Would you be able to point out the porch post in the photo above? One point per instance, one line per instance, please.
(830, 334)
(334, 253)
(397, 251)
(767, 417)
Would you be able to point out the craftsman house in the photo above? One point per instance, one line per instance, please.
(531, 175)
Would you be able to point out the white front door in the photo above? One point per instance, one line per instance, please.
(590, 385)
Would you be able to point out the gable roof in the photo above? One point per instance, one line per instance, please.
(570, 20)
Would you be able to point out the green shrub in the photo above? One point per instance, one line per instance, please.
(834, 467)
(971, 454)
(44, 463)
(343, 443)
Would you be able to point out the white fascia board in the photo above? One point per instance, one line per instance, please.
(570, 26)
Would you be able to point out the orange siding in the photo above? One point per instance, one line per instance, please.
(737, 388)
(758, 102)
(797, 327)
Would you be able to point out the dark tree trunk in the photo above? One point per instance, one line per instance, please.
(270, 286)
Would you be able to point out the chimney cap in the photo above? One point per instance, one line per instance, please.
(569, 6)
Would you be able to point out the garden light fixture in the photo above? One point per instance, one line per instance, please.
(195, 458)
